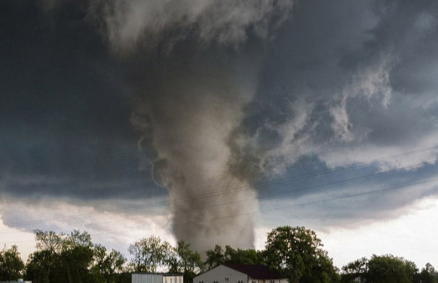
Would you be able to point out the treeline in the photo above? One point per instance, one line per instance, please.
(296, 252)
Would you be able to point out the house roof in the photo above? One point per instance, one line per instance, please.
(158, 273)
(255, 271)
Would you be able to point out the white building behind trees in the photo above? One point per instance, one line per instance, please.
(157, 278)
(240, 273)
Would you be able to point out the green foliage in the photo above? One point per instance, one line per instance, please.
(72, 258)
(385, 269)
(390, 269)
(49, 241)
(297, 253)
(41, 267)
(107, 265)
(61, 258)
(428, 274)
(182, 259)
(11, 264)
(240, 256)
(429, 268)
(355, 270)
(215, 257)
(148, 254)
(218, 256)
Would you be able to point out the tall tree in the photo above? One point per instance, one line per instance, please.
(428, 274)
(355, 271)
(61, 257)
(297, 253)
(183, 259)
(148, 254)
(11, 265)
(218, 256)
(390, 269)
(41, 267)
(49, 241)
(249, 256)
(215, 257)
(188, 260)
(107, 265)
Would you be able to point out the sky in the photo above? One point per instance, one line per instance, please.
(217, 121)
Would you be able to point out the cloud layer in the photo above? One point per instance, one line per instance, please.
(132, 23)
(114, 100)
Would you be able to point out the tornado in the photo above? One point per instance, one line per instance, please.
(192, 66)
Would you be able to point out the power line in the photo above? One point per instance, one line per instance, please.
(32, 222)
(285, 192)
(296, 177)
(300, 204)
(314, 202)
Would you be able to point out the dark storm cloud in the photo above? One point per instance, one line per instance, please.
(187, 73)
(339, 82)
(348, 82)
(346, 197)
(352, 68)
(64, 114)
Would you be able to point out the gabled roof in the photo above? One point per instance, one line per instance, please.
(158, 273)
(255, 271)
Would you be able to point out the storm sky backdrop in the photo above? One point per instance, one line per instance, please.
(214, 121)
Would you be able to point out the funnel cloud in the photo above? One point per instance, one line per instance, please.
(187, 117)
(189, 103)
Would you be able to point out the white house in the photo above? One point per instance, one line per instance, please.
(157, 278)
(240, 273)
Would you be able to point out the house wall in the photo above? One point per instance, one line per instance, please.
(147, 278)
(221, 274)
(252, 280)
(173, 279)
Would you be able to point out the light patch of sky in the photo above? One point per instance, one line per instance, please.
(114, 230)
(11, 236)
(412, 236)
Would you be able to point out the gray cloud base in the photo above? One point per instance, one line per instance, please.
(339, 83)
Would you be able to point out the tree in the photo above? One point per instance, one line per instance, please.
(148, 254)
(11, 264)
(48, 241)
(215, 257)
(61, 257)
(390, 269)
(355, 270)
(427, 274)
(41, 266)
(240, 256)
(107, 266)
(218, 256)
(183, 259)
(297, 253)
(429, 268)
